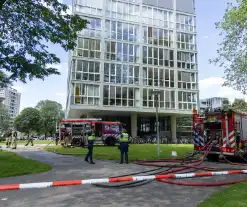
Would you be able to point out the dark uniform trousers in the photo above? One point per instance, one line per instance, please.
(90, 150)
(124, 149)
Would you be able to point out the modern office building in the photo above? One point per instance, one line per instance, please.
(129, 49)
(10, 97)
(213, 102)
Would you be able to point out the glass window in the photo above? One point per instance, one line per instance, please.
(187, 100)
(79, 65)
(80, 43)
(119, 51)
(87, 94)
(121, 31)
(186, 60)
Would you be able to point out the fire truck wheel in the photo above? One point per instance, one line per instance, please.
(110, 141)
(213, 157)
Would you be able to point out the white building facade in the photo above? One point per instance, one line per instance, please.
(214, 102)
(10, 97)
(129, 49)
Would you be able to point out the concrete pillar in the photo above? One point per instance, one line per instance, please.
(174, 127)
(133, 125)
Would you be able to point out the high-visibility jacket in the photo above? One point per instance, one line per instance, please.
(92, 137)
(124, 137)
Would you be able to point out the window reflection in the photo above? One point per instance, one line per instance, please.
(121, 73)
(158, 56)
(157, 37)
(157, 17)
(123, 10)
(186, 60)
(121, 96)
(93, 27)
(121, 31)
(166, 99)
(186, 100)
(187, 80)
(158, 77)
(186, 41)
(86, 94)
(122, 52)
(89, 48)
(185, 22)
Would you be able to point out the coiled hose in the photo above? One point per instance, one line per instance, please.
(174, 166)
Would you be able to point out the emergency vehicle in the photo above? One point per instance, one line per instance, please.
(107, 133)
(227, 130)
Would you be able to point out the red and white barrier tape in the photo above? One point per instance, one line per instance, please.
(114, 180)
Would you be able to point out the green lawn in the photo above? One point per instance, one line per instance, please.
(235, 196)
(12, 164)
(23, 142)
(136, 152)
(36, 141)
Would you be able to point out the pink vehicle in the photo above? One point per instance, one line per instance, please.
(106, 132)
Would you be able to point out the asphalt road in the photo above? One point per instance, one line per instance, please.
(154, 194)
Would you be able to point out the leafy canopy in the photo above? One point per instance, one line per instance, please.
(232, 52)
(28, 120)
(26, 27)
(237, 105)
(51, 112)
(5, 119)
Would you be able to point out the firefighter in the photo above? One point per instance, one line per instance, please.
(90, 138)
(67, 138)
(14, 139)
(9, 139)
(124, 146)
(29, 139)
(57, 136)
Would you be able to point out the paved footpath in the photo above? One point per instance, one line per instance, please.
(154, 194)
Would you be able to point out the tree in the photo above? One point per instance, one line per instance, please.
(51, 112)
(28, 120)
(237, 105)
(232, 52)
(5, 119)
(240, 105)
(26, 25)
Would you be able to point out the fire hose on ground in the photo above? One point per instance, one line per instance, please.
(181, 165)
(163, 173)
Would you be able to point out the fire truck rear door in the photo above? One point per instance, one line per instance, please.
(98, 129)
(244, 127)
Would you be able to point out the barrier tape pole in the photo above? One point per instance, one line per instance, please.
(114, 180)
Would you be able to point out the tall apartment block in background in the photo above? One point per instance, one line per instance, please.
(130, 48)
(10, 97)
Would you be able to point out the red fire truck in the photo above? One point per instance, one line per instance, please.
(227, 130)
(107, 133)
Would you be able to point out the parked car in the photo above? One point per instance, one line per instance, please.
(35, 138)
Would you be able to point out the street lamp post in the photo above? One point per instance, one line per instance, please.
(156, 95)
